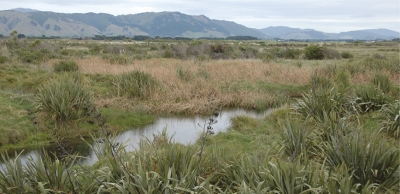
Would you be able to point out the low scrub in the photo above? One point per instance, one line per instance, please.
(315, 52)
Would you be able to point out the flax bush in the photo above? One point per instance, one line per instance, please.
(382, 82)
(391, 119)
(370, 98)
(371, 160)
(64, 98)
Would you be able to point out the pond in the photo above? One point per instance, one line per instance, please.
(184, 130)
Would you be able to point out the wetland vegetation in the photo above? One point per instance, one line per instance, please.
(334, 129)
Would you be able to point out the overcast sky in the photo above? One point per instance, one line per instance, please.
(323, 15)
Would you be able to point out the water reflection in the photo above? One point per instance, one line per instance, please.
(185, 130)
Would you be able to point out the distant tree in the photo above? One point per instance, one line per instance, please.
(21, 36)
(1, 36)
(182, 38)
(13, 33)
(241, 38)
(141, 38)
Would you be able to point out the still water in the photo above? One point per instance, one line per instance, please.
(184, 130)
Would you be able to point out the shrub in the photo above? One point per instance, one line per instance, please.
(314, 52)
(29, 56)
(347, 55)
(65, 98)
(135, 84)
(289, 53)
(168, 54)
(180, 51)
(3, 59)
(65, 66)
(247, 52)
(331, 54)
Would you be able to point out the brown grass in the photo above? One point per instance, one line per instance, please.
(196, 94)
(221, 70)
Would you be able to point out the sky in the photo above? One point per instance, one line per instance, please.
(323, 15)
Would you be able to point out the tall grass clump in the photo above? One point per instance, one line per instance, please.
(65, 98)
(66, 66)
(135, 84)
(184, 74)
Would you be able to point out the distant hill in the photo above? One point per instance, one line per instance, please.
(171, 24)
(283, 32)
(25, 10)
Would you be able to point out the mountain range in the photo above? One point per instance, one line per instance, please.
(283, 32)
(163, 24)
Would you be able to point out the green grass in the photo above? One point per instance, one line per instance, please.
(124, 119)
(15, 121)
(247, 135)
(22, 78)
